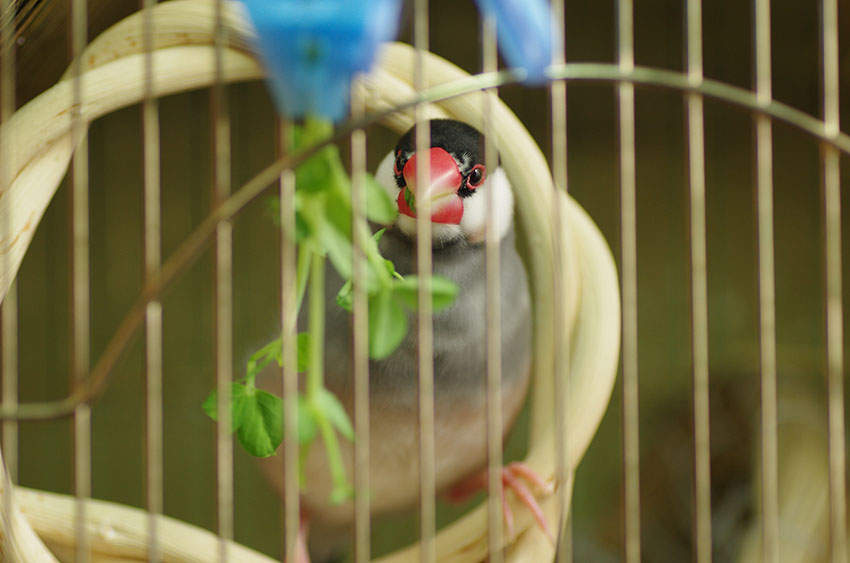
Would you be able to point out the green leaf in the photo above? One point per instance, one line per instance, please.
(379, 207)
(338, 248)
(337, 207)
(238, 394)
(210, 405)
(328, 403)
(315, 174)
(309, 216)
(307, 427)
(443, 291)
(312, 131)
(391, 269)
(341, 492)
(261, 428)
(345, 297)
(304, 343)
(302, 227)
(387, 324)
(272, 209)
(257, 419)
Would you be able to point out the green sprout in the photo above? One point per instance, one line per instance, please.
(323, 230)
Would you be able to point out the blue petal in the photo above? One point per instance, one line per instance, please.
(312, 50)
(524, 31)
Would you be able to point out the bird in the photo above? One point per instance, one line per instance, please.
(457, 186)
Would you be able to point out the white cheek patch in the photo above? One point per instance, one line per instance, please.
(475, 218)
(440, 232)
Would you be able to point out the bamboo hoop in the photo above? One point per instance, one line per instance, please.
(37, 142)
(120, 533)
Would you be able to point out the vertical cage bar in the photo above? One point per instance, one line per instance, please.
(767, 298)
(835, 358)
(9, 303)
(360, 352)
(699, 286)
(288, 316)
(558, 97)
(427, 471)
(80, 282)
(8, 333)
(834, 302)
(223, 292)
(153, 311)
(493, 314)
(628, 213)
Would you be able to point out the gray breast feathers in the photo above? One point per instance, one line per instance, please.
(459, 331)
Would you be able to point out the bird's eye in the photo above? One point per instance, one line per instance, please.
(476, 176)
(399, 164)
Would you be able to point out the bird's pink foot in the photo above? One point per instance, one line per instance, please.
(301, 555)
(514, 477)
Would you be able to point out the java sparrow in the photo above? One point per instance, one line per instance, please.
(457, 187)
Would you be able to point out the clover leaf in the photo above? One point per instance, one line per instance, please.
(256, 417)
(387, 324)
(443, 291)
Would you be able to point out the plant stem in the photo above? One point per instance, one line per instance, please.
(332, 450)
(315, 374)
(373, 256)
(301, 271)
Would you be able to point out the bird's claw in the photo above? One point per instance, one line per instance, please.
(514, 477)
(300, 553)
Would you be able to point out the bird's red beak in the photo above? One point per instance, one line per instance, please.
(444, 180)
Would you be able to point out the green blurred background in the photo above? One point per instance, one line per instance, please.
(663, 254)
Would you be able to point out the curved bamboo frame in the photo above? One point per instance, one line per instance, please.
(37, 142)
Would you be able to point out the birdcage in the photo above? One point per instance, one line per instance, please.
(150, 478)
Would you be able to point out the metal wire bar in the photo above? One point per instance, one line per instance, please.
(699, 287)
(427, 477)
(831, 170)
(153, 311)
(834, 303)
(360, 344)
(699, 297)
(289, 374)
(767, 296)
(558, 101)
(628, 215)
(9, 304)
(223, 360)
(223, 293)
(733, 95)
(835, 358)
(767, 316)
(9, 367)
(493, 313)
(80, 285)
